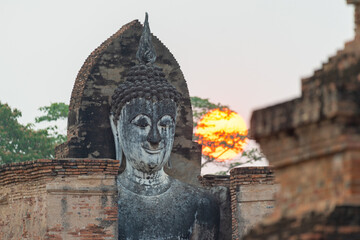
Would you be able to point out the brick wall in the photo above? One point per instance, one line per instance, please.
(210, 180)
(76, 199)
(58, 199)
(252, 192)
(246, 197)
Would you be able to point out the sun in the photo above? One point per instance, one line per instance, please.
(222, 133)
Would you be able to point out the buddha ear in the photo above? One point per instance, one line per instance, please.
(115, 132)
(169, 164)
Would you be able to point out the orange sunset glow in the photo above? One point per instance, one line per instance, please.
(222, 134)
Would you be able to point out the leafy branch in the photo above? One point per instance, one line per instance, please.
(225, 140)
(20, 142)
(200, 106)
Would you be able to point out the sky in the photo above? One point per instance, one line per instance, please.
(244, 54)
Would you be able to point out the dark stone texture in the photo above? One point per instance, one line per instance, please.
(143, 81)
(182, 212)
(218, 186)
(89, 133)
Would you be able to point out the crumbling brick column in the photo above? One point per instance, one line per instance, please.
(245, 198)
(252, 191)
(356, 4)
(314, 144)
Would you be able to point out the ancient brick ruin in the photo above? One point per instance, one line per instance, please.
(77, 198)
(246, 197)
(314, 144)
(59, 199)
(252, 191)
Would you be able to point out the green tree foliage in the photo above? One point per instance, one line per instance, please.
(200, 106)
(22, 142)
(54, 112)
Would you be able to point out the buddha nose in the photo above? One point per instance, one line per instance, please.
(154, 136)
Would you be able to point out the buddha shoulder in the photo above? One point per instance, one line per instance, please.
(207, 209)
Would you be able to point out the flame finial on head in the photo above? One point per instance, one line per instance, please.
(146, 53)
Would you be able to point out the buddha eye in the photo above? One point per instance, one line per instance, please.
(141, 121)
(166, 121)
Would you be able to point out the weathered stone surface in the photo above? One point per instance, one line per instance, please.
(254, 203)
(59, 199)
(51, 196)
(219, 187)
(22, 211)
(182, 212)
(256, 193)
(252, 192)
(81, 207)
(89, 132)
(245, 198)
(151, 204)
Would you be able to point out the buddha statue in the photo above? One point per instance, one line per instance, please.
(151, 204)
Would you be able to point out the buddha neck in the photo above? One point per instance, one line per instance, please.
(143, 183)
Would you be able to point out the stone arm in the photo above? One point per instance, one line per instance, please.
(207, 220)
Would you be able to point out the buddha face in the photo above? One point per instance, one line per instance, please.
(146, 131)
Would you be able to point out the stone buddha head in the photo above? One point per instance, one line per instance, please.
(143, 112)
